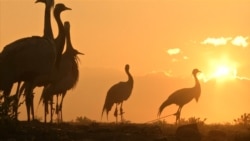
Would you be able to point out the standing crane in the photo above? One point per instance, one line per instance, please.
(66, 77)
(28, 59)
(59, 41)
(117, 94)
(183, 96)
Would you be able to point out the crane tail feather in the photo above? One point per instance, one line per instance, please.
(163, 105)
(108, 104)
(107, 107)
(103, 109)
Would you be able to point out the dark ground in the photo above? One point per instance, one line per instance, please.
(25, 131)
(36, 131)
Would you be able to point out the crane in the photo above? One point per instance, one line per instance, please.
(183, 96)
(118, 93)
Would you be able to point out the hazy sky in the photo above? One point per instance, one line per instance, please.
(162, 40)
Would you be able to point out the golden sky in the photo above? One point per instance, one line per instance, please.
(162, 40)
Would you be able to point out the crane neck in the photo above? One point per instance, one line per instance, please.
(68, 40)
(130, 78)
(47, 23)
(61, 34)
(60, 39)
(197, 83)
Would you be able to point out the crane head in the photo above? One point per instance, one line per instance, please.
(195, 71)
(127, 67)
(61, 7)
(47, 2)
(43, 1)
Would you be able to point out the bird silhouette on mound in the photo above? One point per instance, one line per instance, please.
(183, 96)
(27, 87)
(117, 94)
(28, 59)
(65, 79)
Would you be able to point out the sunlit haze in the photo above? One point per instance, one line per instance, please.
(161, 40)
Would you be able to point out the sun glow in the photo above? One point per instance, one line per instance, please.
(221, 70)
(224, 72)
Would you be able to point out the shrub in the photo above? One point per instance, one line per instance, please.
(193, 120)
(244, 119)
(83, 120)
(6, 108)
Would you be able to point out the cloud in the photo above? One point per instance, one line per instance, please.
(216, 41)
(176, 51)
(240, 41)
(236, 41)
(173, 51)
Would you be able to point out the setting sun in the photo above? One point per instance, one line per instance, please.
(223, 71)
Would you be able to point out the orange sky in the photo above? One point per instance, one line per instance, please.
(162, 40)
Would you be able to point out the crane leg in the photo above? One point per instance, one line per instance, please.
(121, 112)
(51, 109)
(45, 112)
(57, 108)
(32, 105)
(29, 96)
(63, 95)
(28, 100)
(116, 113)
(16, 105)
(178, 115)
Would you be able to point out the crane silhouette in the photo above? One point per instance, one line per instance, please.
(65, 78)
(28, 59)
(117, 94)
(60, 42)
(183, 96)
(60, 39)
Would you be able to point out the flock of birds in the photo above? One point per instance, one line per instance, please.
(40, 61)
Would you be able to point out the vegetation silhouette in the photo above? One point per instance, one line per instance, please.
(117, 94)
(188, 132)
(65, 78)
(28, 59)
(182, 97)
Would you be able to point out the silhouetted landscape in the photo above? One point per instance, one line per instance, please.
(181, 59)
(84, 129)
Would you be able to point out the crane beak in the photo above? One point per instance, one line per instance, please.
(67, 8)
(197, 98)
(80, 53)
(38, 1)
